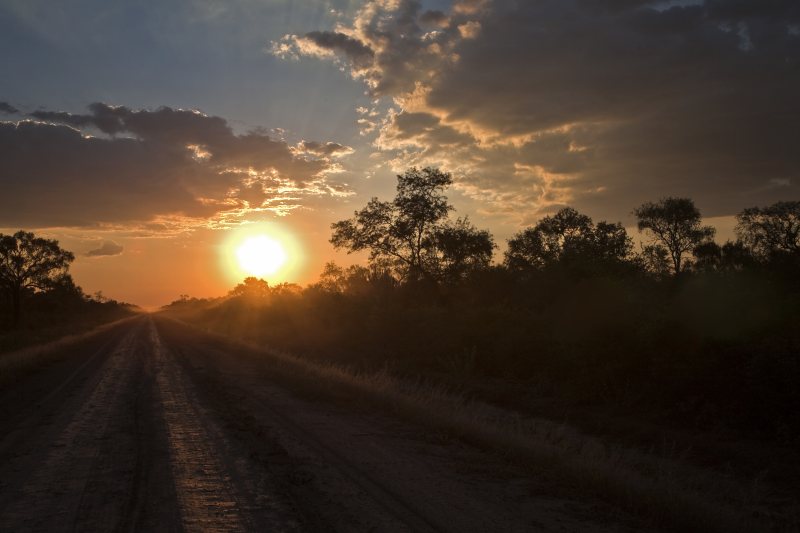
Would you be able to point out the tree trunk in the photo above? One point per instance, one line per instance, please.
(676, 260)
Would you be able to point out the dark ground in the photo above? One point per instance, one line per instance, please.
(149, 426)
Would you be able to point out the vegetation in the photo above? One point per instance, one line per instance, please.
(570, 241)
(39, 301)
(412, 237)
(30, 263)
(675, 226)
(703, 338)
(771, 232)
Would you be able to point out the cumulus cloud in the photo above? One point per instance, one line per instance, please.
(7, 108)
(108, 248)
(117, 165)
(392, 44)
(599, 104)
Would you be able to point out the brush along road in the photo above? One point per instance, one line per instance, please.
(151, 426)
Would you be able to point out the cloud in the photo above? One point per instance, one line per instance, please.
(327, 149)
(520, 181)
(7, 108)
(108, 248)
(392, 44)
(323, 42)
(434, 18)
(116, 165)
(601, 105)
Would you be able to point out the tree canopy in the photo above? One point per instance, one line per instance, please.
(412, 235)
(675, 224)
(31, 263)
(771, 231)
(570, 239)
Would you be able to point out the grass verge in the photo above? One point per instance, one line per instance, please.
(14, 363)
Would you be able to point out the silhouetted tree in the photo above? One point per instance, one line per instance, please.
(459, 248)
(355, 279)
(736, 256)
(332, 279)
(251, 287)
(731, 256)
(286, 289)
(30, 263)
(412, 234)
(675, 224)
(707, 256)
(771, 231)
(569, 239)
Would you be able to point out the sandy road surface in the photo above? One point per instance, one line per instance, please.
(150, 427)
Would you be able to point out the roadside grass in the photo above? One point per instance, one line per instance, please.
(13, 364)
(35, 335)
(664, 492)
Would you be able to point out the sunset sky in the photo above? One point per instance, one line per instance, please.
(152, 138)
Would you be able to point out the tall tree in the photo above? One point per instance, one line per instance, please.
(675, 224)
(771, 231)
(30, 263)
(569, 239)
(413, 233)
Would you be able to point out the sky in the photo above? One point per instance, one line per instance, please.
(151, 138)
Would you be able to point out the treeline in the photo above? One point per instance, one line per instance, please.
(683, 328)
(39, 300)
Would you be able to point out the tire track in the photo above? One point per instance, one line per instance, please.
(401, 509)
(130, 487)
(207, 498)
(50, 497)
(25, 422)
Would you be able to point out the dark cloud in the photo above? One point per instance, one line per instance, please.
(696, 100)
(108, 248)
(7, 108)
(118, 165)
(608, 104)
(360, 54)
(391, 45)
(434, 18)
(320, 149)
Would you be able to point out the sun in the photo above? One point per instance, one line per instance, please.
(268, 250)
(261, 255)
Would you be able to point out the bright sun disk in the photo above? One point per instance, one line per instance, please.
(261, 255)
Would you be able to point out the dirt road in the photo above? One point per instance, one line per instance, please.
(151, 427)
